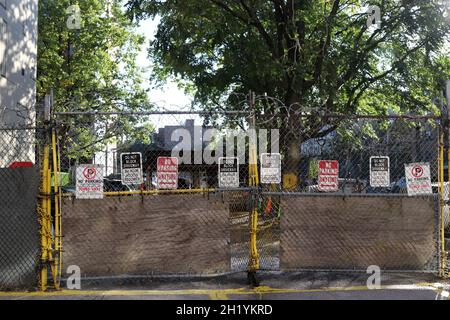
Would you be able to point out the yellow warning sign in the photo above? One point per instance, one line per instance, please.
(290, 181)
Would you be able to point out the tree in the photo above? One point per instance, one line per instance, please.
(90, 67)
(315, 56)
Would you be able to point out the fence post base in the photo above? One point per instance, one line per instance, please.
(252, 279)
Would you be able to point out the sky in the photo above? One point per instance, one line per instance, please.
(169, 97)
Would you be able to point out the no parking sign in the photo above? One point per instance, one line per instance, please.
(328, 175)
(89, 182)
(418, 179)
(167, 173)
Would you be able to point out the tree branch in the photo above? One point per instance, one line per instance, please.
(365, 84)
(259, 26)
(326, 42)
(251, 20)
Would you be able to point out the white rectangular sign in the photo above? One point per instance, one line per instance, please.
(418, 179)
(131, 165)
(228, 172)
(380, 176)
(89, 182)
(270, 168)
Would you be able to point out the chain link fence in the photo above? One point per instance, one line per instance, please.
(352, 143)
(194, 194)
(343, 203)
(19, 228)
(170, 219)
(199, 221)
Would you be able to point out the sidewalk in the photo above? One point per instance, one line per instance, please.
(287, 286)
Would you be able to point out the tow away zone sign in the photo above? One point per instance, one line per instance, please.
(228, 172)
(167, 176)
(328, 175)
(89, 184)
(418, 179)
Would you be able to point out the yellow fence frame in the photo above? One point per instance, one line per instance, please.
(50, 229)
(51, 244)
(254, 261)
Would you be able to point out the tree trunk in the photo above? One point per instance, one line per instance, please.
(291, 142)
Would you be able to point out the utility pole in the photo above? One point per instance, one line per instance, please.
(447, 91)
(48, 106)
(444, 154)
(445, 115)
(445, 101)
(447, 95)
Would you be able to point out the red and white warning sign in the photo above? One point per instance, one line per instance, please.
(89, 182)
(328, 175)
(418, 179)
(167, 173)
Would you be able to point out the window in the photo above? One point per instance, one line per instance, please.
(3, 39)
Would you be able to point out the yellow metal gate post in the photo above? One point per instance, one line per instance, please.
(43, 211)
(253, 263)
(50, 242)
(254, 182)
(57, 261)
(444, 247)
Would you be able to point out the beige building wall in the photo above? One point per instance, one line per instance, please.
(18, 64)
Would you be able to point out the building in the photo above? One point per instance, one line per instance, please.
(108, 159)
(164, 136)
(19, 228)
(105, 157)
(165, 140)
(18, 64)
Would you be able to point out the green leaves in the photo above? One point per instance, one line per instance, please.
(91, 68)
(313, 55)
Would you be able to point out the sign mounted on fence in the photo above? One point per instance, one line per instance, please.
(89, 182)
(380, 176)
(271, 168)
(167, 172)
(228, 172)
(290, 181)
(131, 165)
(328, 175)
(418, 179)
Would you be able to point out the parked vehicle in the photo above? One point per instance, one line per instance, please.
(347, 186)
(399, 186)
(114, 186)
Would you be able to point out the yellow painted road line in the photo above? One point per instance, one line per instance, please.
(213, 294)
(218, 296)
(123, 293)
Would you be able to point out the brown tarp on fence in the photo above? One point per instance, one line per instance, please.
(160, 234)
(337, 232)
